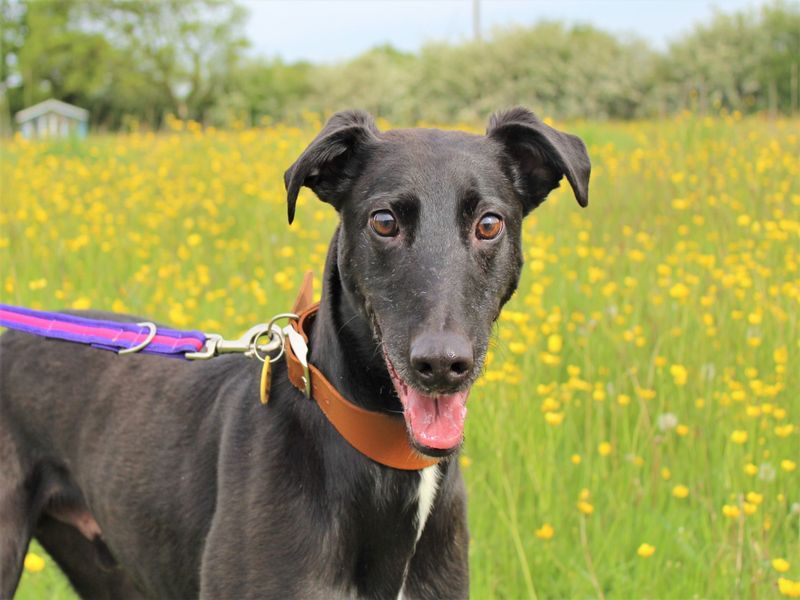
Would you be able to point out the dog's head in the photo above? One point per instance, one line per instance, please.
(430, 245)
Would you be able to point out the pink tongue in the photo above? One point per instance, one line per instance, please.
(435, 421)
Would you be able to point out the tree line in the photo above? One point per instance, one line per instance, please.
(133, 63)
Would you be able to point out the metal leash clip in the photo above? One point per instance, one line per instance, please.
(248, 343)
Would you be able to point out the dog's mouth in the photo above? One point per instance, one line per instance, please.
(435, 422)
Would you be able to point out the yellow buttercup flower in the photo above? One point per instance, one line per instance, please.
(554, 418)
(679, 374)
(754, 498)
(517, 347)
(780, 355)
(679, 291)
(680, 491)
(554, 344)
(789, 587)
(739, 436)
(82, 303)
(646, 550)
(33, 562)
(550, 405)
(646, 394)
(781, 565)
(604, 449)
(731, 511)
(754, 341)
(545, 532)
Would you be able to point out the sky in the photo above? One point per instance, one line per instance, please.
(335, 30)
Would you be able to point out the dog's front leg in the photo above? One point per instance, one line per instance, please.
(15, 517)
(265, 555)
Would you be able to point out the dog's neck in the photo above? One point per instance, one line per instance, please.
(343, 346)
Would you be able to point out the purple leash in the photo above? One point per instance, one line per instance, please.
(119, 337)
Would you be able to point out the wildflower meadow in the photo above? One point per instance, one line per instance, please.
(636, 432)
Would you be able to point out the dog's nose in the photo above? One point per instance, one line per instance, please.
(441, 360)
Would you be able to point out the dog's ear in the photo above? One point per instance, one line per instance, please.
(539, 156)
(327, 166)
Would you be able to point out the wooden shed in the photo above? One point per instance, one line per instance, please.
(53, 118)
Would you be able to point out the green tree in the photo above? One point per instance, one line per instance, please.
(127, 58)
(270, 88)
(379, 80)
(135, 61)
(562, 71)
(743, 61)
(780, 64)
(184, 52)
(48, 57)
(12, 38)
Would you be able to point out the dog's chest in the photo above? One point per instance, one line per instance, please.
(383, 530)
(400, 502)
(414, 498)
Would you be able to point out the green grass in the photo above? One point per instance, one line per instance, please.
(687, 262)
(47, 584)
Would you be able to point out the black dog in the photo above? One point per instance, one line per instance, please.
(144, 476)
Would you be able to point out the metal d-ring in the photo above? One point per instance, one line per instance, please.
(256, 333)
(256, 350)
(279, 316)
(152, 334)
(279, 332)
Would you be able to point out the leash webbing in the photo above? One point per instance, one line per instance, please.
(108, 335)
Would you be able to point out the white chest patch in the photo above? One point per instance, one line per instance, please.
(426, 494)
(428, 484)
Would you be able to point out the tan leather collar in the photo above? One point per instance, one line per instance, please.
(379, 436)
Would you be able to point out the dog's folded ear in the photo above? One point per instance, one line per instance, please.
(329, 164)
(539, 156)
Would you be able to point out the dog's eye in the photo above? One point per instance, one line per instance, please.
(383, 223)
(489, 227)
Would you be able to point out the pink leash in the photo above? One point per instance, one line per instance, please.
(120, 337)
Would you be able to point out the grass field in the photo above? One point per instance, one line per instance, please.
(636, 433)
